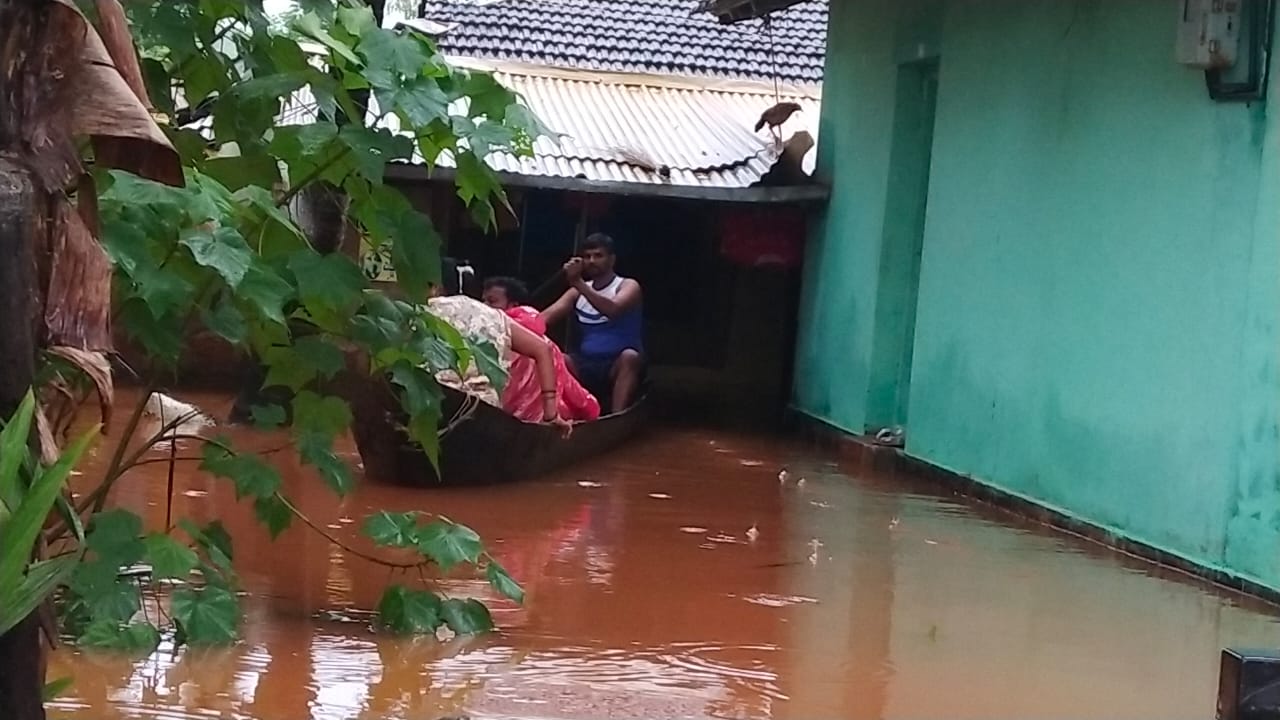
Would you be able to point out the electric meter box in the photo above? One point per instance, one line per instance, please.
(1209, 33)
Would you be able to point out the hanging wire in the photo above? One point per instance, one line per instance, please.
(773, 57)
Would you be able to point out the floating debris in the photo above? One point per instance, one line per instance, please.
(769, 600)
(723, 539)
(893, 523)
(931, 542)
(783, 475)
(693, 529)
(819, 504)
(750, 463)
(195, 493)
(800, 483)
(589, 484)
(660, 496)
(753, 532)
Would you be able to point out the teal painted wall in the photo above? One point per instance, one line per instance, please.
(1100, 277)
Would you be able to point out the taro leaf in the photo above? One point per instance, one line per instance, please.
(251, 475)
(390, 56)
(168, 557)
(409, 611)
(223, 250)
(466, 617)
(136, 638)
(268, 417)
(449, 543)
(272, 512)
(392, 529)
(503, 582)
(206, 616)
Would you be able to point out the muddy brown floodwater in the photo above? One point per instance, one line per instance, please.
(650, 596)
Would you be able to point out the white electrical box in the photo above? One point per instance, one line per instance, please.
(1209, 33)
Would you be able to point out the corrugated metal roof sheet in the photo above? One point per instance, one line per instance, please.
(609, 127)
(704, 135)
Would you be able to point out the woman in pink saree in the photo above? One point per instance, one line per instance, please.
(522, 395)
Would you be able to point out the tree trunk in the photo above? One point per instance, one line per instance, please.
(21, 676)
(21, 671)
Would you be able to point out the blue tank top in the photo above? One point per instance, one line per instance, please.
(602, 337)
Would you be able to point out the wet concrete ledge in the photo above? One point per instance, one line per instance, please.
(867, 455)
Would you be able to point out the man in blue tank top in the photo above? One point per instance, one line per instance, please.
(608, 311)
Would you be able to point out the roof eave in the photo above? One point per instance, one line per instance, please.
(732, 11)
(789, 194)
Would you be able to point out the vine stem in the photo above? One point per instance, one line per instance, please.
(343, 546)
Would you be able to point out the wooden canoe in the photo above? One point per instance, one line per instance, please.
(483, 445)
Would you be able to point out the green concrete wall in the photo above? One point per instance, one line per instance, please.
(1100, 277)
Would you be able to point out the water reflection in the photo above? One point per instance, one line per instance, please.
(857, 595)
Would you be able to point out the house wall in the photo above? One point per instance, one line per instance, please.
(1099, 282)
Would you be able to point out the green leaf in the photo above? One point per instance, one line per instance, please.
(18, 534)
(223, 250)
(160, 337)
(449, 543)
(42, 579)
(251, 475)
(56, 688)
(270, 87)
(422, 393)
(136, 638)
(297, 365)
(415, 244)
(325, 415)
(15, 441)
(328, 284)
(266, 291)
(316, 449)
(313, 27)
(213, 539)
(392, 529)
(168, 557)
(118, 601)
(371, 149)
(240, 172)
(116, 534)
(466, 617)
(409, 611)
(418, 101)
(273, 513)
(225, 320)
(357, 20)
(486, 356)
(390, 54)
(268, 417)
(207, 616)
(424, 428)
(504, 583)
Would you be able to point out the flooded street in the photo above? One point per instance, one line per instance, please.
(651, 596)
